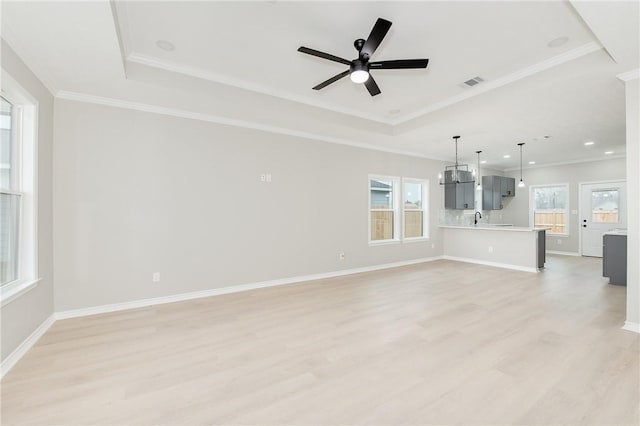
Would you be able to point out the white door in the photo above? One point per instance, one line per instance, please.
(603, 207)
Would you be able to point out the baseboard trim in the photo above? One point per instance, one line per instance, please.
(141, 303)
(24, 347)
(494, 264)
(563, 253)
(631, 326)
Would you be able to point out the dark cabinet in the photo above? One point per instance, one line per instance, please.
(614, 258)
(494, 188)
(459, 196)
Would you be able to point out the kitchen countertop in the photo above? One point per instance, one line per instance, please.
(616, 232)
(489, 227)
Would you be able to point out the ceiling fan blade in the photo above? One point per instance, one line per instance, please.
(378, 32)
(399, 64)
(331, 80)
(372, 86)
(323, 55)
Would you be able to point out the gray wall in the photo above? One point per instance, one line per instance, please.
(517, 210)
(138, 193)
(23, 315)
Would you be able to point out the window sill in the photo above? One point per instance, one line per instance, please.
(416, 240)
(12, 291)
(383, 242)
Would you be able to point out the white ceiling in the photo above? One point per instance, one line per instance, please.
(236, 62)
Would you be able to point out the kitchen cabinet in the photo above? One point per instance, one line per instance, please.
(494, 188)
(614, 258)
(459, 196)
(507, 186)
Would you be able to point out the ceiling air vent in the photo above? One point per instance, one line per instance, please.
(473, 81)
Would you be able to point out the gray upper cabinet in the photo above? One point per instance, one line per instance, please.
(459, 196)
(494, 188)
(508, 186)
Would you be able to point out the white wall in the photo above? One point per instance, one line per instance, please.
(633, 183)
(517, 210)
(23, 315)
(138, 193)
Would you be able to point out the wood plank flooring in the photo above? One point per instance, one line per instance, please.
(435, 343)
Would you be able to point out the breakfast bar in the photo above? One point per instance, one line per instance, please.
(512, 247)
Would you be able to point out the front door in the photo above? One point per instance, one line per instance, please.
(603, 207)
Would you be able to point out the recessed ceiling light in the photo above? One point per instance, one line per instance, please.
(608, 152)
(532, 162)
(165, 45)
(506, 156)
(557, 42)
(589, 143)
(483, 162)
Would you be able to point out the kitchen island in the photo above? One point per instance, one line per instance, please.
(512, 247)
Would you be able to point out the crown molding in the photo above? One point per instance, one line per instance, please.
(8, 35)
(564, 163)
(629, 75)
(246, 85)
(155, 109)
(120, 26)
(502, 81)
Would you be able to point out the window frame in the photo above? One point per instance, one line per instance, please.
(24, 161)
(424, 208)
(395, 187)
(567, 209)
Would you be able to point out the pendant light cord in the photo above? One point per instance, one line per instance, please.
(478, 152)
(520, 145)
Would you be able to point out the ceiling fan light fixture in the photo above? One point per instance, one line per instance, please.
(359, 71)
(359, 76)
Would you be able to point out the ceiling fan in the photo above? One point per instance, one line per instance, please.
(359, 69)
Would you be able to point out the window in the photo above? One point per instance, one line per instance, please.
(605, 204)
(383, 209)
(386, 195)
(18, 115)
(10, 197)
(550, 208)
(414, 193)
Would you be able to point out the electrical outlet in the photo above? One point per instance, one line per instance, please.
(263, 178)
(268, 177)
(155, 277)
(490, 249)
(341, 256)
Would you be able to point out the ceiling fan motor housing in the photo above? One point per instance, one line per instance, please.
(359, 65)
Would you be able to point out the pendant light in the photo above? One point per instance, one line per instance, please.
(458, 173)
(521, 183)
(478, 176)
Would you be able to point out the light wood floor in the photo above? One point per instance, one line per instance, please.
(436, 343)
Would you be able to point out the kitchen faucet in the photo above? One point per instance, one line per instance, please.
(475, 218)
